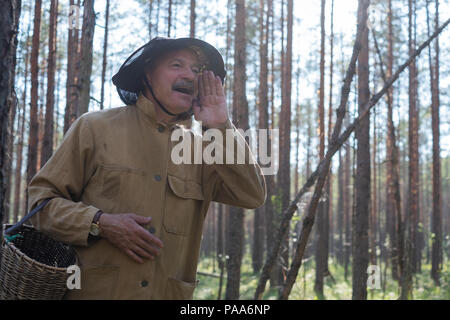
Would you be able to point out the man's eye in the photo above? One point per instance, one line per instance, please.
(196, 71)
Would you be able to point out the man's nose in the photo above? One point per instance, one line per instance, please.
(188, 74)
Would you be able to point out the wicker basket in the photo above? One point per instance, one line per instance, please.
(33, 266)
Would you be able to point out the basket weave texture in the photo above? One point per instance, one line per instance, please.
(34, 266)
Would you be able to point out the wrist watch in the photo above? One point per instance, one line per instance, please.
(95, 225)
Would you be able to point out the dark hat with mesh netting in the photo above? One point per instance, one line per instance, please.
(128, 79)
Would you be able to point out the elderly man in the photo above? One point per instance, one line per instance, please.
(133, 216)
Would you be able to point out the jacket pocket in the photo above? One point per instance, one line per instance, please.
(183, 202)
(179, 290)
(97, 283)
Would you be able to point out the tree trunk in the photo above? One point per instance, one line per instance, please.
(105, 49)
(374, 207)
(321, 254)
(329, 183)
(361, 219)
(393, 202)
(150, 25)
(192, 19)
(9, 22)
(47, 143)
(240, 117)
(263, 119)
(72, 82)
(284, 181)
(169, 18)
(19, 151)
(34, 124)
(87, 39)
(436, 244)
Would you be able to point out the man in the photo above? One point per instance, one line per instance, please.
(133, 216)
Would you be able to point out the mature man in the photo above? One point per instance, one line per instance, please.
(134, 217)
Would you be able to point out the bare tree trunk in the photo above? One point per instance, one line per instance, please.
(47, 143)
(9, 22)
(258, 240)
(393, 202)
(284, 180)
(150, 25)
(192, 19)
(240, 117)
(340, 212)
(361, 221)
(373, 207)
(321, 254)
(105, 49)
(19, 151)
(329, 186)
(169, 18)
(34, 124)
(436, 225)
(87, 39)
(72, 83)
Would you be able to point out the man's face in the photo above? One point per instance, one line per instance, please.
(174, 80)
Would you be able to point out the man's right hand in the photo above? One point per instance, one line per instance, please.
(125, 231)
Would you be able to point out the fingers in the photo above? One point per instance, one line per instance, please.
(126, 232)
(133, 256)
(206, 83)
(219, 87)
(209, 84)
(140, 219)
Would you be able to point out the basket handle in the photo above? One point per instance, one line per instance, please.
(27, 217)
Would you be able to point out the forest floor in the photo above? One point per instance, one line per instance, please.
(337, 289)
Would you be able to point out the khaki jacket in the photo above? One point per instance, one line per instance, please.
(119, 160)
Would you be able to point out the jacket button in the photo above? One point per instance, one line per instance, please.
(161, 128)
(157, 177)
(144, 283)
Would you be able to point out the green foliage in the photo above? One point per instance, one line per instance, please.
(335, 286)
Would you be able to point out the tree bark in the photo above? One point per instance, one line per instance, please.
(436, 225)
(169, 18)
(192, 19)
(87, 39)
(9, 22)
(105, 50)
(360, 228)
(393, 201)
(240, 118)
(263, 119)
(34, 125)
(321, 254)
(72, 82)
(47, 143)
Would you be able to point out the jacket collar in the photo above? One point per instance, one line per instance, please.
(148, 108)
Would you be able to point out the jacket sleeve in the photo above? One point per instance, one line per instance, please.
(232, 182)
(63, 179)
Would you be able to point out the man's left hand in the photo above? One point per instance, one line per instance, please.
(211, 106)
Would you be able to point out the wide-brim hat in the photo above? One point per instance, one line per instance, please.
(128, 79)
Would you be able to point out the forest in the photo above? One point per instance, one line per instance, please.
(358, 90)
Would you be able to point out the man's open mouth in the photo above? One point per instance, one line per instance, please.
(184, 88)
